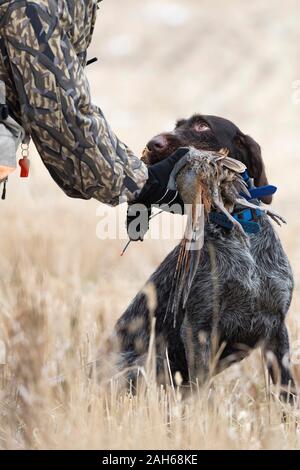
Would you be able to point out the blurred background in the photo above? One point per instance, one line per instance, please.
(158, 61)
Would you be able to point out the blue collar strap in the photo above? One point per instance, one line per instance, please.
(257, 193)
(246, 217)
(261, 192)
(246, 176)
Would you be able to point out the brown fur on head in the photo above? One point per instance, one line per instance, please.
(210, 133)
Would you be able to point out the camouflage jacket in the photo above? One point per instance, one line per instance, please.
(43, 46)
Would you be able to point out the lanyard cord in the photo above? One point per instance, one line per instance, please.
(4, 189)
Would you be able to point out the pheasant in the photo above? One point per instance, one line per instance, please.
(208, 181)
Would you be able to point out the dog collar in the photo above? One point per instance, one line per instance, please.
(248, 218)
(257, 193)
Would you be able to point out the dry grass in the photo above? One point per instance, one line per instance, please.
(47, 400)
(61, 289)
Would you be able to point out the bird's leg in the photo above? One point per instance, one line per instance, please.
(276, 217)
(223, 209)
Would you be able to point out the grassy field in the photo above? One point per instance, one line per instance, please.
(62, 289)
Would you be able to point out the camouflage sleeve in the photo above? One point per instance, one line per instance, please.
(45, 45)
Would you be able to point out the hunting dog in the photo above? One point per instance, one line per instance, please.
(241, 292)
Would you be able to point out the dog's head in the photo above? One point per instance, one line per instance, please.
(210, 133)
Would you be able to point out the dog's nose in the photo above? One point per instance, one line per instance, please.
(158, 144)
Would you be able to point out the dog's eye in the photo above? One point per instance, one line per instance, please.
(201, 127)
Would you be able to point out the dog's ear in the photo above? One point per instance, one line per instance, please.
(252, 157)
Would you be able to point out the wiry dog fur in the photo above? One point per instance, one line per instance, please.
(239, 298)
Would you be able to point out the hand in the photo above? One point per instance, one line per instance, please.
(155, 192)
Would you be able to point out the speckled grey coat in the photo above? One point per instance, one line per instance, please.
(239, 300)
